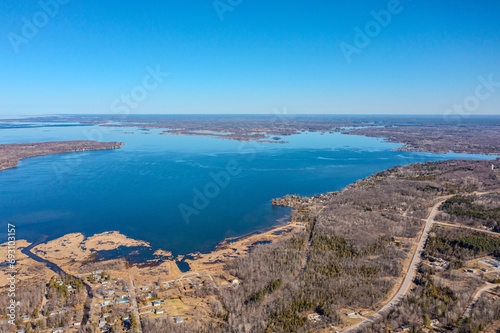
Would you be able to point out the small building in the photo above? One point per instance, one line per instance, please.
(122, 301)
(178, 320)
(58, 330)
(25, 318)
(52, 313)
(315, 317)
(159, 311)
(156, 303)
(105, 303)
(77, 324)
(349, 313)
(144, 288)
(127, 317)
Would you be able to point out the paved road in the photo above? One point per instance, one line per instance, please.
(478, 294)
(410, 275)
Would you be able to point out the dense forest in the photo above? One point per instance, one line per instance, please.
(458, 245)
(442, 295)
(473, 210)
(351, 251)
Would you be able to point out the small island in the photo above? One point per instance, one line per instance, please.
(10, 154)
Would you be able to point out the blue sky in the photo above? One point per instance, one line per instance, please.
(261, 56)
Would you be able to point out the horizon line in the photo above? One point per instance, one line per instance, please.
(253, 114)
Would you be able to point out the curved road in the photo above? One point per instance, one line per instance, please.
(478, 294)
(410, 275)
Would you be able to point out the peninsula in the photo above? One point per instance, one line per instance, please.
(10, 154)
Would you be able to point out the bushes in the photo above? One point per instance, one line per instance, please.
(269, 289)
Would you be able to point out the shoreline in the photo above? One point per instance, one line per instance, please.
(12, 153)
(46, 249)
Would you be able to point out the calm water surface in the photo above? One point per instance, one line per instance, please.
(138, 189)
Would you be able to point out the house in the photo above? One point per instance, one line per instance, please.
(77, 324)
(178, 320)
(58, 330)
(349, 313)
(156, 303)
(122, 301)
(52, 313)
(314, 317)
(434, 322)
(159, 311)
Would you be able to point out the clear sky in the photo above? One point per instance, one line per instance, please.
(250, 56)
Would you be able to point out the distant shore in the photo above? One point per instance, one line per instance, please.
(12, 153)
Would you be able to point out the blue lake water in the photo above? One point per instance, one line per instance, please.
(140, 189)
